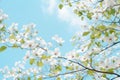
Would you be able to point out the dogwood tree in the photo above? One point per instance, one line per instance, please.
(96, 50)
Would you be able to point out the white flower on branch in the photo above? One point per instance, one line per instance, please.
(84, 57)
(13, 28)
(72, 55)
(55, 53)
(2, 15)
(58, 39)
(109, 3)
(109, 39)
(29, 44)
(1, 26)
(52, 61)
(27, 56)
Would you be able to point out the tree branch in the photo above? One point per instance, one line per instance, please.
(75, 1)
(112, 73)
(63, 74)
(114, 78)
(110, 46)
(18, 46)
(108, 8)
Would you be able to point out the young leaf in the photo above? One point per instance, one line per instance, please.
(40, 63)
(40, 78)
(90, 72)
(80, 13)
(70, 4)
(89, 15)
(28, 78)
(69, 68)
(113, 11)
(58, 78)
(60, 6)
(86, 33)
(12, 36)
(110, 70)
(2, 48)
(32, 61)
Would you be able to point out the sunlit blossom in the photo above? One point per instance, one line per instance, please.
(58, 39)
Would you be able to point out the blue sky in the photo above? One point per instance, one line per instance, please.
(48, 18)
(49, 21)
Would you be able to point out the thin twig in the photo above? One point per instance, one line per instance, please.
(110, 46)
(72, 72)
(112, 73)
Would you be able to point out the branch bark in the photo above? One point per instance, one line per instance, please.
(72, 72)
(92, 69)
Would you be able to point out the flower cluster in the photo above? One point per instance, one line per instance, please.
(91, 56)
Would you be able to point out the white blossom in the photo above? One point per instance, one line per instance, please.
(58, 39)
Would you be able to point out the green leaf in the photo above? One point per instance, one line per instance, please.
(89, 45)
(78, 77)
(40, 63)
(40, 78)
(12, 36)
(102, 27)
(113, 25)
(44, 56)
(60, 6)
(111, 31)
(2, 29)
(85, 62)
(98, 44)
(0, 21)
(89, 15)
(62, 0)
(102, 69)
(86, 33)
(58, 78)
(28, 78)
(70, 4)
(97, 34)
(69, 68)
(32, 60)
(92, 36)
(80, 13)
(90, 72)
(90, 60)
(106, 34)
(15, 46)
(104, 75)
(18, 78)
(82, 18)
(100, 4)
(2, 48)
(59, 68)
(22, 41)
(113, 11)
(110, 70)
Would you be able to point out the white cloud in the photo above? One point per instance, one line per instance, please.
(51, 6)
(48, 6)
(66, 14)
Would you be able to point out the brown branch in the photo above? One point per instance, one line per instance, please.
(108, 8)
(73, 2)
(18, 46)
(110, 46)
(72, 72)
(112, 73)
(109, 21)
(114, 78)
(102, 31)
